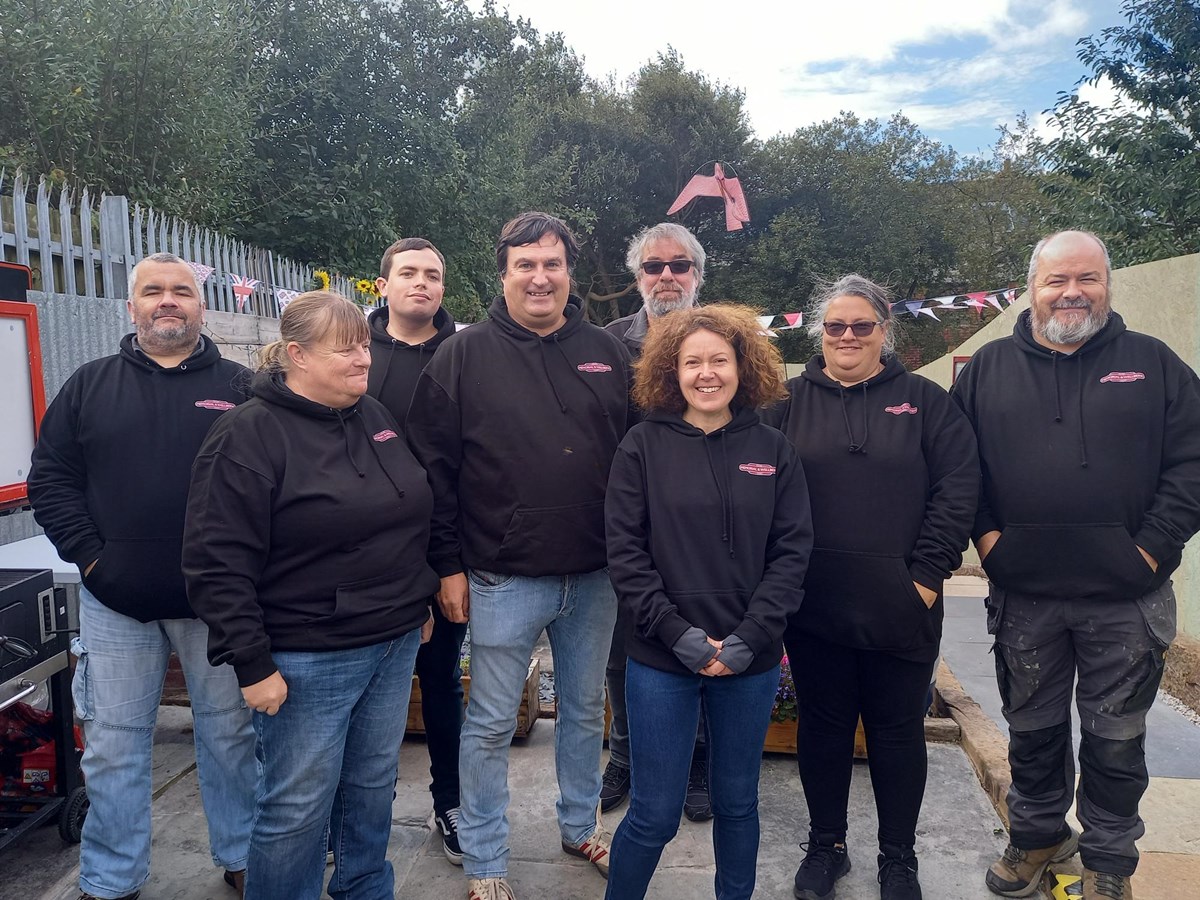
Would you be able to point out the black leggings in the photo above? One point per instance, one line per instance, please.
(834, 686)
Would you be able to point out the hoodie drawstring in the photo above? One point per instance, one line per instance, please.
(583, 378)
(1054, 357)
(562, 406)
(346, 437)
(859, 447)
(725, 492)
(379, 459)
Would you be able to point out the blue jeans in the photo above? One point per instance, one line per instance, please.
(508, 613)
(117, 688)
(330, 755)
(440, 678)
(664, 708)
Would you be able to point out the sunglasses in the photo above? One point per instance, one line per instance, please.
(860, 329)
(677, 266)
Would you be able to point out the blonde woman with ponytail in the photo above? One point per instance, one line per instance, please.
(305, 541)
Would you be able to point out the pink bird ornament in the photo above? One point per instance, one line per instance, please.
(717, 184)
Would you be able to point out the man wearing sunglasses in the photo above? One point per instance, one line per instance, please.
(668, 263)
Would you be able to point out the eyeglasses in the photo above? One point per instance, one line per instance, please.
(677, 266)
(860, 329)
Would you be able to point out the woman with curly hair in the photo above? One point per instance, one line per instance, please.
(708, 540)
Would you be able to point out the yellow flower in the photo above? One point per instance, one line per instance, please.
(363, 285)
(322, 278)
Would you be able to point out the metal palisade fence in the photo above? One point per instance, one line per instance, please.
(86, 246)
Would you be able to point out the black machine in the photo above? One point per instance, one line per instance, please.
(34, 649)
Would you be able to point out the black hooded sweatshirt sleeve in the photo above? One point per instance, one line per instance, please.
(711, 531)
(893, 476)
(1086, 456)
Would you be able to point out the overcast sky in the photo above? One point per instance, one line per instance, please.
(958, 68)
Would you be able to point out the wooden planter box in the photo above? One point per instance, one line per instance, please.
(526, 715)
(781, 738)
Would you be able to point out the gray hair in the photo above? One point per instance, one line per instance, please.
(855, 285)
(164, 258)
(1041, 245)
(666, 231)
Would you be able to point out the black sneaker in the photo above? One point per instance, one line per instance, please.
(898, 876)
(615, 787)
(445, 823)
(695, 803)
(825, 861)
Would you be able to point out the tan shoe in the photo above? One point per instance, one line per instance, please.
(490, 889)
(1019, 872)
(1104, 886)
(595, 849)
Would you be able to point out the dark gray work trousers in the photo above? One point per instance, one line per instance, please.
(1116, 651)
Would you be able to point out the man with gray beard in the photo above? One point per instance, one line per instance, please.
(668, 263)
(1089, 439)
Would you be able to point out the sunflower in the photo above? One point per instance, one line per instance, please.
(364, 286)
(321, 277)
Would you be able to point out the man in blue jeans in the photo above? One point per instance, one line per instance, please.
(404, 335)
(516, 420)
(109, 483)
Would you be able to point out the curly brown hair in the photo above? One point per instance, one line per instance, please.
(759, 365)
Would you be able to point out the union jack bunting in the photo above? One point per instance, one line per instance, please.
(242, 288)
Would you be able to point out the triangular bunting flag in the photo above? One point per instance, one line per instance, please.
(794, 320)
(284, 296)
(927, 312)
(242, 288)
(994, 300)
(765, 321)
(913, 306)
(202, 271)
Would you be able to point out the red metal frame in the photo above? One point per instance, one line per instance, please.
(17, 494)
(955, 367)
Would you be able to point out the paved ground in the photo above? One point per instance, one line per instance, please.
(959, 834)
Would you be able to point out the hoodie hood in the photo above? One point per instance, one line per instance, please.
(856, 436)
(573, 311)
(395, 365)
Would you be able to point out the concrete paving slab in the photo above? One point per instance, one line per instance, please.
(1170, 808)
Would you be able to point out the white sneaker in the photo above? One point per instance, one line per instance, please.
(490, 889)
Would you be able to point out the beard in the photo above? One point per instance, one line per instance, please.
(169, 336)
(1056, 332)
(660, 304)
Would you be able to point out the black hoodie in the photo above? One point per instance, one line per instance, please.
(111, 469)
(307, 529)
(1086, 457)
(893, 477)
(707, 530)
(395, 365)
(517, 433)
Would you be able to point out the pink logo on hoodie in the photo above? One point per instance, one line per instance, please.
(1122, 377)
(218, 405)
(901, 409)
(386, 435)
(594, 367)
(757, 468)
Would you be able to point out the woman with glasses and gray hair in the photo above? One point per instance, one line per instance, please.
(893, 478)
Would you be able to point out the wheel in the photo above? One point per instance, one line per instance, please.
(74, 811)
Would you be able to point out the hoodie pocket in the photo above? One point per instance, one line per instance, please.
(864, 600)
(553, 539)
(1087, 562)
(138, 577)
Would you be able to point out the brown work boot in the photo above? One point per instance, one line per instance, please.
(1019, 872)
(237, 881)
(1105, 886)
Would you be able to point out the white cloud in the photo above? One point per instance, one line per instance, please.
(803, 62)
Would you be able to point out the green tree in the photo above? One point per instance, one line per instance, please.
(1132, 173)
